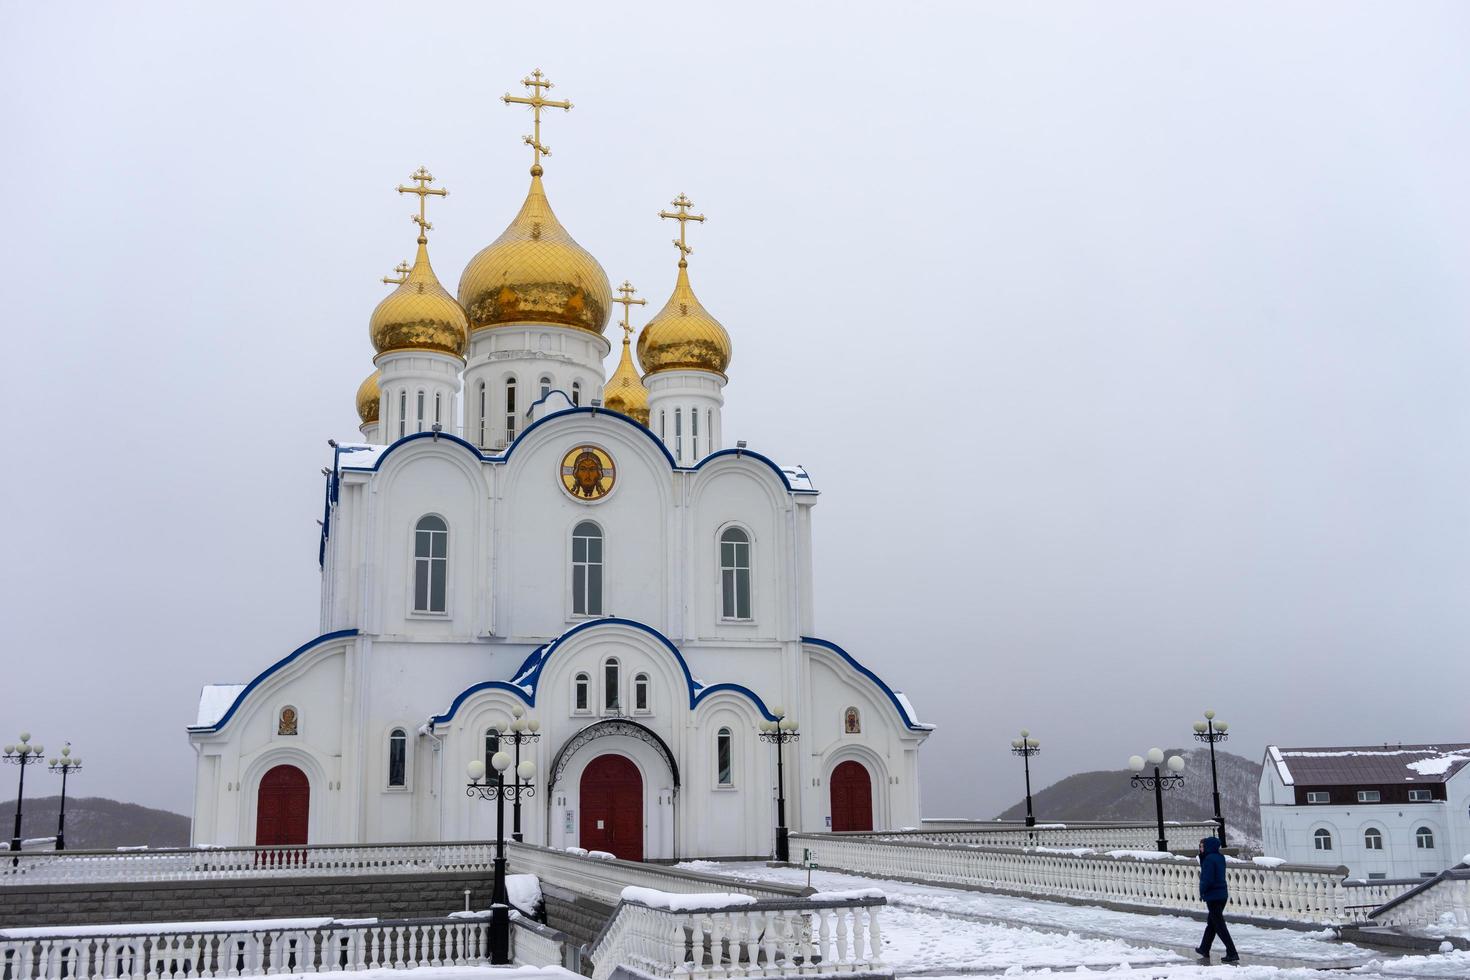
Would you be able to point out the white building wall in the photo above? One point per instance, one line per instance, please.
(566, 356)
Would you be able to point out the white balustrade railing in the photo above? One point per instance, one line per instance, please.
(767, 939)
(252, 949)
(1438, 907)
(196, 863)
(1183, 835)
(604, 880)
(1294, 892)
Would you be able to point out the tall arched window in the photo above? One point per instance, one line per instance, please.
(398, 757)
(438, 408)
(481, 425)
(1322, 839)
(694, 431)
(421, 411)
(725, 757)
(580, 699)
(663, 424)
(492, 746)
(734, 574)
(611, 686)
(640, 692)
(576, 392)
(402, 412)
(1373, 839)
(430, 564)
(545, 385)
(587, 570)
(1424, 838)
(510, 410)
(678, 435)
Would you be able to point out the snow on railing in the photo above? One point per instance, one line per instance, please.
(1295, 892)
(1094, 835)
(257, 948)
(671, 937)
(603, 880)
(196, 863)
(1437, 907)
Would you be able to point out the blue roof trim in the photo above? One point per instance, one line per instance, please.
(897, 705)
(240, 698)
(589, 410)
(531, 672)
(753, 455)
(445, 436)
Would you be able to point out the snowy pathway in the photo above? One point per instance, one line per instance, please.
(932, 931)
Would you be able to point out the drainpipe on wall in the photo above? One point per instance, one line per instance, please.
(436, 771)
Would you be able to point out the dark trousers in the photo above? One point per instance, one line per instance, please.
(1215, 926)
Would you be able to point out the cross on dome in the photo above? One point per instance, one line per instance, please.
(682, 215)
(403, 270)
(628, 303)
(423, 190)
(536, 82)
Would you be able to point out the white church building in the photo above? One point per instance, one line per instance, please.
(519, 530)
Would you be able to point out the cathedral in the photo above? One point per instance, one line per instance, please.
(521, 544)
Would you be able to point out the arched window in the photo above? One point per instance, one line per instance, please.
(289, 722)
(580, 700)
(725, 757)
(438, 408)
(852, 722)
(1424, 838)
(576, 392)
(545, 385)
(611, 693)
(640, 692)
(663, 425)
(1322, 839)
(587, 570)
(398, 757)
(510, 410)
(492, 746)
(679, 435)
(421, 411)
(1373, 839)
(694, 430)
(734, 574)
(402, 412)
(481, 425)
(430, 564)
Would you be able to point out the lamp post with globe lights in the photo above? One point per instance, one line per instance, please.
(778, 733)
(496, 789)
(1158, 782)
(1213, 731)
(1026, 747)
(66, 765)
(21, 754)
(522, 729)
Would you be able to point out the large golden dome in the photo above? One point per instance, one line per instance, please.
(683, 336)
(535, 272)
(624, 391)
(367, 398)
(420, 314)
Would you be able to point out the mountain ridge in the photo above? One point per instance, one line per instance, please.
(98, 823)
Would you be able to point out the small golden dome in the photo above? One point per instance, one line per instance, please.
(367, 398)
(683, 336)
(535, 272)
(420, 314)
(624, 391)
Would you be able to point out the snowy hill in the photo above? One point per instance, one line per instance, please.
(96, 822)
(1106, 795)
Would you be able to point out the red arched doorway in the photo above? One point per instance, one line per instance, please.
(281, 807)
(612, 807)
(852, 797)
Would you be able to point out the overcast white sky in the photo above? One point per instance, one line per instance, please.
(1127, 342)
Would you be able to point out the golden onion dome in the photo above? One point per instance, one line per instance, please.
(367, 398)
(535, 272)
(420, 314)
(624, 391)
(683, 336)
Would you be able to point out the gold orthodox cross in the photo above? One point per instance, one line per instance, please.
(536, 82)
(403, 270)
(628, 303)
(424, 179)
(682, 215)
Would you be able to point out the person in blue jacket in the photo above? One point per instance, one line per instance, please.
(1214, 893)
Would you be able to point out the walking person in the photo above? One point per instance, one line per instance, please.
(1214, 893)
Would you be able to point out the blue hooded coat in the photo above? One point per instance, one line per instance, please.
(1212, 872)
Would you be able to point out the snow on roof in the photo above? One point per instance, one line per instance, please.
(1339, 765)
(798, 478)
(214, 701)
(908, 709)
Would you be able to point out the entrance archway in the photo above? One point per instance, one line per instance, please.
(282, 807)
(611, 800)
(852, 797)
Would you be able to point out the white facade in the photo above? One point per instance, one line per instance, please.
(1318, 806)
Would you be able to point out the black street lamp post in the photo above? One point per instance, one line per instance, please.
(1158, 782)
(779, 732)
(23, 754)
(65, 765)
(498, 790)
(522, 729)
(1026, 747)
(1213, 731)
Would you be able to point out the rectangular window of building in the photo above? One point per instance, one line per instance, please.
(1319, 797)
(1421, 795)
(1368, 796)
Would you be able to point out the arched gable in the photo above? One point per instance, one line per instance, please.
(899, 707)
(302, 657)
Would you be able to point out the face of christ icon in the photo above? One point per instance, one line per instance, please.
(587, 473)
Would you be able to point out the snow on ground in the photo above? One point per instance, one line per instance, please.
(453, 973)
(928, 929)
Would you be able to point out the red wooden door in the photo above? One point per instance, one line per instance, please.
(282, 806)
(852, 797)
(612, 807)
